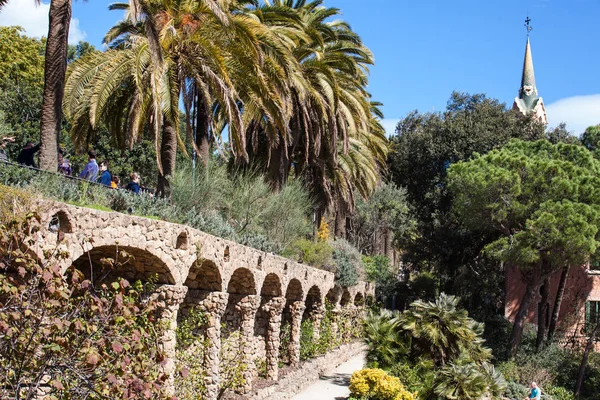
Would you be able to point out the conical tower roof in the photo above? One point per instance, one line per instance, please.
(528, 92)
(528, 75)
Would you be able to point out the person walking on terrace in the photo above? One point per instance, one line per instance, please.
(134, 185)
(105, 177)
(3, 143)
(25, 157)
(64, 165)
(90, 172)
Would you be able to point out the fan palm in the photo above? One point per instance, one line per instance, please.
(382, 337)
(443, 332)
(460, 382)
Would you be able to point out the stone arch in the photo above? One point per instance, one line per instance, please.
(204, 275)
(346, 298)
(294, 291)
(333, 295)
(182, 241)
(370, 301)
(242, 282)
(313, 299)
(131, 263)
(271, 286)
(359, 299)
(60, 222)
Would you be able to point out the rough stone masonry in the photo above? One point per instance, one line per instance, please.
(236, 286)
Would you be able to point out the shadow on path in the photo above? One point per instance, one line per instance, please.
(334, 385)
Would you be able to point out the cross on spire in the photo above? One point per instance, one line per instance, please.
(528, 25)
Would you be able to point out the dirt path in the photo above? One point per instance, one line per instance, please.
(334, 385)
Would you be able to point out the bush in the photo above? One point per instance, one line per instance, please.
(376, 384)
(317, 254)
(348, 263)
(559, 393)
(95, 338)
(514, 390)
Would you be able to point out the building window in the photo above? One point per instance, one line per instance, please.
(592, 315)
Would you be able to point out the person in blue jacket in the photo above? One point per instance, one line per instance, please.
(134, 185)
(105, 177)
(90, 171)
(534, 393)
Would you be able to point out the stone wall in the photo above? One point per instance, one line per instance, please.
(308, 373)
(238, 288)
(582, 285)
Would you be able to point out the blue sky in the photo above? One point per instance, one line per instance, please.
(426, 49)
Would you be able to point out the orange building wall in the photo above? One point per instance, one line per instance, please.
(582, 285)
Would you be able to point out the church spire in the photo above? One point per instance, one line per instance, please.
(528, 101)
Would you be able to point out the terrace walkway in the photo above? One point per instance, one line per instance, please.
(334, 385)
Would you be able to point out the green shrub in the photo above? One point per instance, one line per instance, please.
(285, 335)
(317, 253)
(308, 346)
(559, 393)
(410, 377)
(348, 263)
(425, 286)
(514, 390)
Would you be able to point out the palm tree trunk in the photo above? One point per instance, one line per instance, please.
(54, 82)
(542, 314)
(517, 331)
(278, 166)
(588, 348)
(557, 302)
(202, 128)
(168, 154)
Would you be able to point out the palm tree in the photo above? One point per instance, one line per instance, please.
(383, 339)
(54, 80)
(443, 332)
(196, 44)
(331, 140)
(463, 382)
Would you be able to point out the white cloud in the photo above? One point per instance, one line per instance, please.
(390, 125)
(34, 19)
(578, 112)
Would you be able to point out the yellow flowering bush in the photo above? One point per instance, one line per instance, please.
(376, 384)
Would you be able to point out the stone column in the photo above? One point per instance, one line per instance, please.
(247, 306)
(335, 313)
(316, 316)
(273, 308)
(214, 306)
(168, 298)
(296, 311)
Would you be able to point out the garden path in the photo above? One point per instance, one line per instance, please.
(333, 385)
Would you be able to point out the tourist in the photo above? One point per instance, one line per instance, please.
(134, 185)
(90, 171)
(535, 392)
(105, 178)
(115, 182)
(25, 157)
(64, 165)
(3, 143)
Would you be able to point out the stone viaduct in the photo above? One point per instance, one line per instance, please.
(236, 286)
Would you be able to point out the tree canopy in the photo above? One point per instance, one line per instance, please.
(544, 201)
